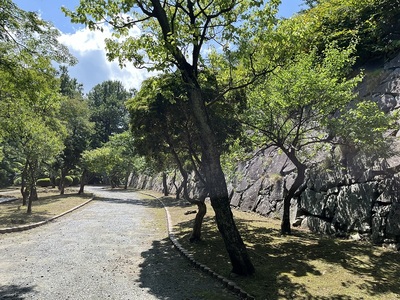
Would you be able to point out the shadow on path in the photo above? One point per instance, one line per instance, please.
(167, 275)
(15, 292)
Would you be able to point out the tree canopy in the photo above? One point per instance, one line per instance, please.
(108, 113)
(306, 105)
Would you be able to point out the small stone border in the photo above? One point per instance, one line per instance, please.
(34, 225)
(6, 200)
(226, 282)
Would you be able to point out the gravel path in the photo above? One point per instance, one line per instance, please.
(112, 248)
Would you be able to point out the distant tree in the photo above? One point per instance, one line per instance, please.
(107, 105)
(115, 160)
(69, 87)
(75, 114)
(301, 107)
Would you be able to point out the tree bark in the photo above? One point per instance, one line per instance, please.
(164, 182)
(198, 221)
(289, 194)
(32, 196)
(62, 181)
(82, 182)
(126, 180)
(24, 190)
(240, 260)
(32, 168)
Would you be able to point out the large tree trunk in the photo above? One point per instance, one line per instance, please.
(290, 194)
(241, 263)
(198, 221)
(32, 196)
(126, 180)
(24, 190)
(82, 182)
(165, 185)
(62, 181)
(32, 168)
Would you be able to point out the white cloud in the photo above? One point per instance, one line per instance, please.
(93, 67)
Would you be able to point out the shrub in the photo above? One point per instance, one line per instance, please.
(43, 182)
(17, 181)
(76, 180)
(67, 181)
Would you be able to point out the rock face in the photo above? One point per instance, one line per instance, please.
(345, 195)
(351, 194)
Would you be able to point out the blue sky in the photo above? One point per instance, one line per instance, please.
(88, 47)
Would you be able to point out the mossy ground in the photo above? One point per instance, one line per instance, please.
(300, 266)
(50, 204)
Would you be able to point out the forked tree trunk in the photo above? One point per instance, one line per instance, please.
(202, 208)
(289, 195)
(198, 221)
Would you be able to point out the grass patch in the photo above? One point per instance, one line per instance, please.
(301, 266)
(50, 204)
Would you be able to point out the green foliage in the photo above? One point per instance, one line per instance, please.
(69, 87)
(75, 114)
(292, 107)
(28, 35)
(106, 103)
(115, 160)
(76, 180)
(363, 126)
(30, 100)
(44, 182)
(68, 181)
(163, 127)
(373, 23)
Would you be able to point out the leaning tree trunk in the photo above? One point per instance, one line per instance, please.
(289, 194)
(198, 221)
(241, 263)
(202, 208)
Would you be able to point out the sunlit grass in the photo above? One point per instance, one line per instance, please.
(301, 266)
(50, 204)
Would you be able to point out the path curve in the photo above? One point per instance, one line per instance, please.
(116, 247)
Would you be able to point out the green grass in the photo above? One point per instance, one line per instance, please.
(50, 204)
(301, 266)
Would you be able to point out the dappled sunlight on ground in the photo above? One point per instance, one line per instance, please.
(300, 266)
